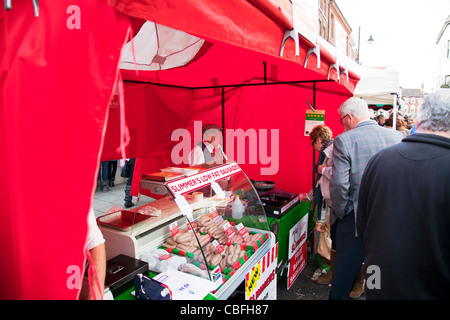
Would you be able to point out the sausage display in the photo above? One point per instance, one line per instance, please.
(236, 249)
(186, 241)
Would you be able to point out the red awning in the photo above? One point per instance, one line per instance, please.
(242, 36)
(242, 48)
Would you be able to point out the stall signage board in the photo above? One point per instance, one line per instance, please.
(297, 250)
(188, 184)
(261, 280)
(313, 119)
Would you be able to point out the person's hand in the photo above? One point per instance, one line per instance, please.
(320, 168)
(320, 228)
(303, 197)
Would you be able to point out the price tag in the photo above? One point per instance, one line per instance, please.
(242, 230)
(184, 206)
(218, 247)
(228, 229)
(217, 277)
(173, 228)
(190, 217)
(218, 190)
(213, 213)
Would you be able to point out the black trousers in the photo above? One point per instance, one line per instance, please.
(128, 196)
(112, 169)
(348, 260)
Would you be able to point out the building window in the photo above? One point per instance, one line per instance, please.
(447, 80)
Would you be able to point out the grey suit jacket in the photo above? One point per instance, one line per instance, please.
(352, 150)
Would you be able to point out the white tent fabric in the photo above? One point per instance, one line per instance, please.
(157, 47)
(377, 86)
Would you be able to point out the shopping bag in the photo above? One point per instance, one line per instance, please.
(324, 246)
(126, 169)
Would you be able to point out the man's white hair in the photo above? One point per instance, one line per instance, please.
(434, 113)
(356, 107)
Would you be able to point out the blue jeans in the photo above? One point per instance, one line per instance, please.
(103, 172)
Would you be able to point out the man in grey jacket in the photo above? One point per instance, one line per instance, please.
(362, 139)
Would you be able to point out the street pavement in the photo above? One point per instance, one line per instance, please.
(304, 287)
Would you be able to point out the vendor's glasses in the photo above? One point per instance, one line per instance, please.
(340, 120)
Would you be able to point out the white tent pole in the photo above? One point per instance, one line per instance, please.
(394, 118)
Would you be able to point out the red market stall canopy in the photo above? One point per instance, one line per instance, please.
(57, 73)
(237, 78)
(236, 25)
(58, 69)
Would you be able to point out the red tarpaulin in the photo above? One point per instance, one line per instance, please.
(55, 85)
(57, 74)
(278, 109)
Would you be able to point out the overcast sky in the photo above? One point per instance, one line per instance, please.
(405, 33)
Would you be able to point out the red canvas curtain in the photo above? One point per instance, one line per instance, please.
(275, 113)
(57, 73)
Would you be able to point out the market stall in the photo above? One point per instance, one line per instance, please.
(246, 76)
(379, 87)
(253, 92)
(231, 230)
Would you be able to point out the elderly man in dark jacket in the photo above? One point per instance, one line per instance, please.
(404, 210)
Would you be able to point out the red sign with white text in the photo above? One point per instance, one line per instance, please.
(203, 178)
(228, 229)
(242, 230)
(297, 249)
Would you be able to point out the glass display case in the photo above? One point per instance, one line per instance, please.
(210, 224)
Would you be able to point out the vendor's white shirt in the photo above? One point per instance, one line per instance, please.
(197, 157)
(95, 236)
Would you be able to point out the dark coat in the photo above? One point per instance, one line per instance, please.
(403, 219)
